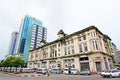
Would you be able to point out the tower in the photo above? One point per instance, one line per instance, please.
(31, 33)
(13, 42)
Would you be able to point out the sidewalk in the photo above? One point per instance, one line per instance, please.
(24, 74)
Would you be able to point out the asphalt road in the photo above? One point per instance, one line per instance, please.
(53, 77)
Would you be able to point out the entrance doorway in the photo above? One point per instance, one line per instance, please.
(84, 66)
(98, 66)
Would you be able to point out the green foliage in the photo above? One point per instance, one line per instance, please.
(1, 63)
(12, 62)
(17, 61)
(7, 62)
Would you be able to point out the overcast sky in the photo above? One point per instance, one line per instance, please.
(69, 15)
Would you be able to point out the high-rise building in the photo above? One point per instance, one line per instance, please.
(13, 42)
(31, 33)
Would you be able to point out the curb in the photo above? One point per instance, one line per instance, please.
(30, 75)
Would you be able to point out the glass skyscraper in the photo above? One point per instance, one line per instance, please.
(13, 43)
(31, 33)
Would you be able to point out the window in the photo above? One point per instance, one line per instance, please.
(85, 47)
(73, 66)
(44, 56)
(84, 66)
(79, 38)
(58, 50)
(65, 60)
(55, 53)
(65, 43)
(72, 49)
(68, 42)
(80, 48)
(65, 51)
(93, 45)
(72, 41)
(68, 50)
(30, 63)
(59, 45)
(59, 54)
(31, 57)
(84, 58)
(93, 34)
(84, 37)
(36, 55)
(96, 45)
(50, 54)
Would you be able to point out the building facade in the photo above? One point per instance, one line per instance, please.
(114, 55)
(31, 33)
(85, 49)
(117, 56)
(13, 43)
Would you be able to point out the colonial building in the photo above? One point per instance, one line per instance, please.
(117, 56)
(84, 49)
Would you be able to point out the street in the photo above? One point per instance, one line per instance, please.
(54, 77)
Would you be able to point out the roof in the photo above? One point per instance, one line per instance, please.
(67, 36)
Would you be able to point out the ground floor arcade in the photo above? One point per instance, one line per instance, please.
(94, 62)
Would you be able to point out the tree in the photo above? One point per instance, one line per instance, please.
(17, 62)
(1, 63)
(7, 62)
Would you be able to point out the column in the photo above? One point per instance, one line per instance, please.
(77, 63)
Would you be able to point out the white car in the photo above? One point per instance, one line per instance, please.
(56, 70)
(74, 71)
(110, 74)
(42, 70)
(27, 70)
(66, 71)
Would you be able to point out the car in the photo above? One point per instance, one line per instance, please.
(26, 70)
(13, 69)
(74, 71)
(85, 72)
(66, 71)
(42, 70)
(116, 68)
(56, 70)
(110, 73)
(105, 73)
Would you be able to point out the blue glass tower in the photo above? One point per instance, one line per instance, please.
(13, 43)
(31, 33)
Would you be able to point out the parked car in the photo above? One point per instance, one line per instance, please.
(110, 73)
(42, 70)
(13, 69)
(116, 68)
(66, 71)
(56, 70)
(74, 71)
(85, 72)
(27, 70)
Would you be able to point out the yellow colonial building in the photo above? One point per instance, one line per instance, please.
(84, 49)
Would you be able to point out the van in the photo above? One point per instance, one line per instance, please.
(42, 70)
(56, 70)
